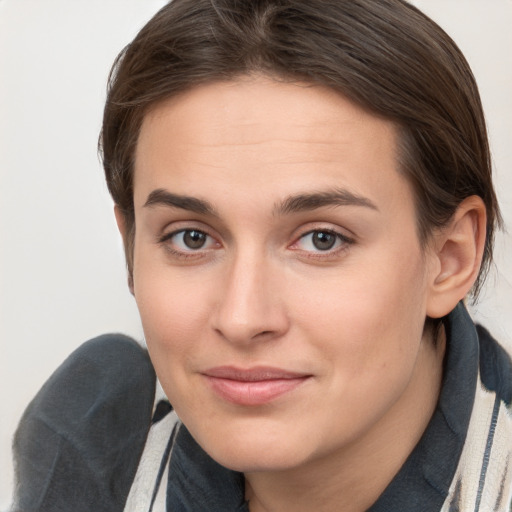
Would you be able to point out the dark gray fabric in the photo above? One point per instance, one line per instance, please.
(198, 483)
(78, 444)
(495, 367)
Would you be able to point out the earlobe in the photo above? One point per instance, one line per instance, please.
(458, 254)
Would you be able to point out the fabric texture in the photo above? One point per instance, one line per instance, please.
(79, 442)
(83, 443)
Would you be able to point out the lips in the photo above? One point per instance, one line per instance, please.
(253, 386)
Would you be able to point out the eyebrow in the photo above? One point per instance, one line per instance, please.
(330, 198)
(161, 197)
(292, 204)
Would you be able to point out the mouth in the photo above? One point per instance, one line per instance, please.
(253, 386)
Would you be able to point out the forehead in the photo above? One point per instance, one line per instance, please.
(255, 131)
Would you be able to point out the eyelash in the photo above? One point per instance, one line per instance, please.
(166, 240)
(343, 242)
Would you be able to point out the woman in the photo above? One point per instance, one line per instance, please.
(305, 196)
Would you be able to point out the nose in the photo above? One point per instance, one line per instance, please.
(251, 305)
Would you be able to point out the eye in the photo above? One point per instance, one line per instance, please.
(188, 240)
(321, 240)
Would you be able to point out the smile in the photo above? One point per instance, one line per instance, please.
(255, 386)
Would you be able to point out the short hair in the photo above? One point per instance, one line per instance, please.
(384, 55)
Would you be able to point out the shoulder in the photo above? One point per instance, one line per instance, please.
(495, 366)
(488, 445)
(80, 439)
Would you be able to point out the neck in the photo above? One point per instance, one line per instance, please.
(353, 478)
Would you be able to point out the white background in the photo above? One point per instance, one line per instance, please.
(62, 276)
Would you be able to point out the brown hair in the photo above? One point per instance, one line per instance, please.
(385, 55)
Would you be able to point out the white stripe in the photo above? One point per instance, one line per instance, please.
(160, 502)
(470, 464)
(141, 492)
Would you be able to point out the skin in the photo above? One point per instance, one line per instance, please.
(259, 292)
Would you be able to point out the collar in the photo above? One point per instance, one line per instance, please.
(423, 482)
(197, 482)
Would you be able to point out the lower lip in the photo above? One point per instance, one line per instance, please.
(253, 392)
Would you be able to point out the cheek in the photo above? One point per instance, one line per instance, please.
(173, 311)
(167, 317)
(369, 319)
(172, 322)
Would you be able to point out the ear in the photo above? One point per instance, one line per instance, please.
(457, 251)
(120, 221)
(121, 225)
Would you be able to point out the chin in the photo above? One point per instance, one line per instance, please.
(254, 450)
(257, 459)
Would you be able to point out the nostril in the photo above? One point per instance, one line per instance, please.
(262, 333)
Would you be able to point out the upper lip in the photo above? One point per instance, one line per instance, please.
(254, 374)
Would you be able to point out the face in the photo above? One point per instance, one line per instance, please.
(277, 270)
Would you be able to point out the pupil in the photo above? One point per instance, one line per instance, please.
(323, 241)
(194, 239)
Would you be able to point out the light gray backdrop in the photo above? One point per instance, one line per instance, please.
(62, 275)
